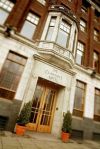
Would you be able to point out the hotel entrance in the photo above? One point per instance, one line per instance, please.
(44, 102)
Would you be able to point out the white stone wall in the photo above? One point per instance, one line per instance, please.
(6, 45)
(36, 68)
(91, 84)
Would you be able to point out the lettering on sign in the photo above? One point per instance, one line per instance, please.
(53, 75)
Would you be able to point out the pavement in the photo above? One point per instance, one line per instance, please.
(34, 140)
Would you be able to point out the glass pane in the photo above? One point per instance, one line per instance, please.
(47, 110)
(78, 103)
(36, 103)
(97, 105)
(28, 30)
(7, 79)
(62, 38)
(33, 18)
(3, 16)
(49, 34)
(79, 58)
(10, 74)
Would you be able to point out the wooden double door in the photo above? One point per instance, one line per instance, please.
(43, 107)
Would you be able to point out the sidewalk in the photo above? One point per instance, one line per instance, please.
(42, 141)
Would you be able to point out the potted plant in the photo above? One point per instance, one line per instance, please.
(23, 118)
(66, 127)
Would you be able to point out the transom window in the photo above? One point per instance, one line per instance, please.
(83, 25)
(51, 28)
(80, 53)
(63, 34)
(79, 99)
(97, 105)
(5, 7)
(96, 35)
(30, 25)
(11, 74)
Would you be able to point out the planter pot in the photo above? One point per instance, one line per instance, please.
(65, 137)
(20, 130)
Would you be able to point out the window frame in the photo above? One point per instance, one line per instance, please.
(79, 112)
(83, 25)
(82, 51)
(96, 116)
(34, 15)
(96, 61)
(4, 8)
(64, 21)
(96, 35)
(8, 89)
(53, 26)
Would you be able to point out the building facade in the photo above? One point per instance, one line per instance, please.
(50, 54)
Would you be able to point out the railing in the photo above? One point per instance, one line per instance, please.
(55, 48)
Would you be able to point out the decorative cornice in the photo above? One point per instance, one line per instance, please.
(65, 11)
(95, 4)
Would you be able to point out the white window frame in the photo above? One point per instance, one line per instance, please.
(66, 28)
(83, 25)
(80, 50)
(32, 19)
(6, 6)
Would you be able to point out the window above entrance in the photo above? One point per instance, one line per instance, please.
(62, 30)
(58, 40)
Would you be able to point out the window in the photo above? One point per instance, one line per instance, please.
(96, 35)
(11, 74)
(83, 9)
(85, 6)
(80, 53)
(83, 25)
(42, 1)
(63, 34)
(51, 28)
(97, 105)
(30, 25)
(96, 61)
(97, 16)
(5, 8)
(79, 99)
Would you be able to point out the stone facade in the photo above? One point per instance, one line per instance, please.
(52, 62)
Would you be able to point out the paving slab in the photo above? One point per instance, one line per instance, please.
(43, 141)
